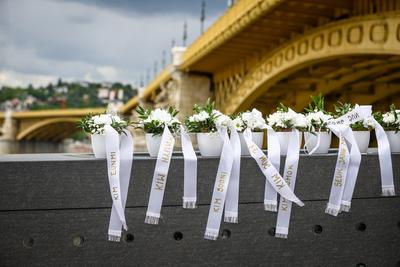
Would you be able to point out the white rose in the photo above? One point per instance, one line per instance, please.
(238, 124)
(102, 119)
(116, 118)
(389, 118)
(223, 120)
(254, 119)
(369, 123)
(203, 116)
(161, 116)
(300, 121)
(317, 116)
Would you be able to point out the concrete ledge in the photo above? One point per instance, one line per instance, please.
(54, 210)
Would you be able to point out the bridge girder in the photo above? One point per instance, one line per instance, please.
(373, 40)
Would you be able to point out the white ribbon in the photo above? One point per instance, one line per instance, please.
(190, 171)
(345, 176)
(160, 177)
(385, 160)
(113, 170)
(274, 155)
(126, 154)
(220, 187)
(306, 143)
(339, 177)
(269, 171)
(352, 172)
(232, 195)
(290, 173)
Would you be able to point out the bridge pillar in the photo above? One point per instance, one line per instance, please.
(189, 88)
(9, 129)
(192, 89)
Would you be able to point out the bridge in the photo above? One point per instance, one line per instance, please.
(262, 52)
(48, 125)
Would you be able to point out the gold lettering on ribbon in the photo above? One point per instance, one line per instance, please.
(160, 182)
(113, 163)
(264, 162)
(288, 176)
(221, 182)
(217, 205)
(167, 149)
(278, 181)
(339, 177)
(342, 160)
(114, 192)
(284, 204)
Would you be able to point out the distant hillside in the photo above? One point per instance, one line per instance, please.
(65, 95)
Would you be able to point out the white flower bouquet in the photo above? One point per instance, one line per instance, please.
(390, 121)
(152, 122)
(254, 121)
(284, 120)
(204, 123)
(361, 129)
(318, 136)
(206, 119)
(94, 124)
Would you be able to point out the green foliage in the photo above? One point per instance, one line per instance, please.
(208, 125)
(88, 125)
(282, 108)
(317, 104)
(389, 126)
(153, 126)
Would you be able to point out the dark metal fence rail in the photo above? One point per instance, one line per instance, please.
(54, 210)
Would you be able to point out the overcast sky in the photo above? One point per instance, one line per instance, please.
(93, 40)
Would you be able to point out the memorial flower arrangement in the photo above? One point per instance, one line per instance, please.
(285, 119)
(206, 119)
(154, 121)
(249, 119)
(94, 123)
(390, 120)
(364, 125)
(316, 115)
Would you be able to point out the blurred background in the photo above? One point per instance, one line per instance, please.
(58, 56)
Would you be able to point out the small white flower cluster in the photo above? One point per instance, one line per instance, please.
(287, 120)
(202, 116)
(369, 123)
(222, 119)
(162, 117)
(318, 119)
(105, 119)
(390, 118)
(249, 119)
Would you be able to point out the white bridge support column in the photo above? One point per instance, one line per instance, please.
(189, 88)
(8, 131)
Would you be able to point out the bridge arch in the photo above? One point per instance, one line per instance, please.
(54, 129)
(371, 39)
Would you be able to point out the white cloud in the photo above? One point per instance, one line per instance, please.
(15, 79)
(108, 72)
(71, 40)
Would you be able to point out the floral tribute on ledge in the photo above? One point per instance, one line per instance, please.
(229, 137)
